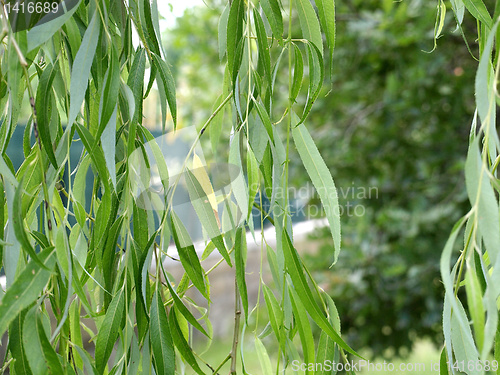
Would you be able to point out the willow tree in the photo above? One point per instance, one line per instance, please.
(82, 69)
(470, 323)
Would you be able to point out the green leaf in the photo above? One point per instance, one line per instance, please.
(264, 56)
(136, 83)
(44, 109)
(462, 341)
(443, 363)
(17, 221)
(205, 212)
(187, 254)
(44, 31)
(26, 288)
(234, 34)
(272, 11)
(303, 326)
(316, 75)
(238, 185)
(149, 30)
(274, 311)
(475, 305)
(484, 200)
(253, 181)
(222, 35)
(181, 344)
(184, 310)
(161, 339)
(21, 365)
(326, 351)
(298, 72)
(110, 91)
(81, 67)
(326, 10)
(309, 23)
(263, 357)
(49, 354)
(240, 256)
(108, 141)
(295, 269)
(321, 179)
(96, 154)
(109, 330)
(479, 11)
(32, 344)
(485, 96)
(168, 83)
(266, 120)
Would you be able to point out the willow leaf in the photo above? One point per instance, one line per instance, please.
(272, 12)
(149, 29)
(326, 10)
(275, 315)
(321, 179)
(17, 221)
(96, 154)
(462, 341)
(479, 11)
(44, 109)
(110, 92)
(309, 23)
(81, 67)
(475, 304)
(240, 255)
(187, 254)
(484, 199)
(44, 31)
(298, 72)
(108, 141)
(26, 288)
(184, 310)
(181, 344)
(109, 330)
(264, 56)
(234, 34)
(295, 270)
(316, 75)
(206, 213)
(168, 83)
(161, 339)
(326, 351)
(222, 35)
(304, 327)
(49, 354)
(136, 82)
(264, 360)
(21, 365)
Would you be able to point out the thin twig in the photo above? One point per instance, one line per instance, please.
(237, 316)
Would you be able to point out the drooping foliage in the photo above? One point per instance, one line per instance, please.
(470, 324)
(79, 264)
